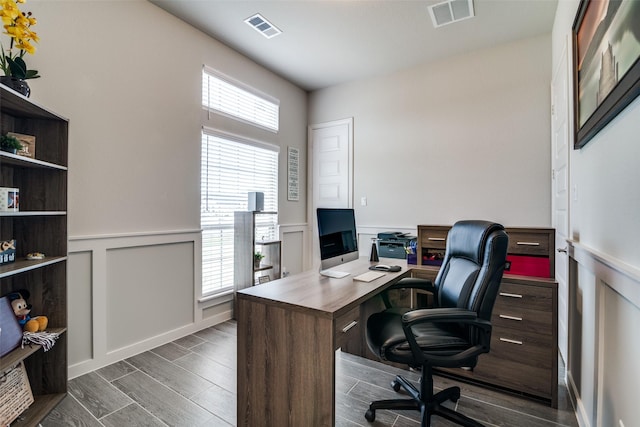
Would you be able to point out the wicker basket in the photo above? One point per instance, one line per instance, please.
(15, 393)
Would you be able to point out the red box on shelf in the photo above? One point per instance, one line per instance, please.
(528, 266)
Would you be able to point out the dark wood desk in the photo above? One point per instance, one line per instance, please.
(288, 332)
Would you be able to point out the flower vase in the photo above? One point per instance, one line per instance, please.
(19, 85)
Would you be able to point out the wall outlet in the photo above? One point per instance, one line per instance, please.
(363, 201)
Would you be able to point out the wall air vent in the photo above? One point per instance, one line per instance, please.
(261, 25)
(451, 11)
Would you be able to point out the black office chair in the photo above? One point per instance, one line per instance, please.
(455, 331)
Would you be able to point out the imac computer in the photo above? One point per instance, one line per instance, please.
(338, 239)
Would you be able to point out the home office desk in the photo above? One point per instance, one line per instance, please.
(288, 333)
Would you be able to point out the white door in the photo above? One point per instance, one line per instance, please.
(331, 174)
(560, 191)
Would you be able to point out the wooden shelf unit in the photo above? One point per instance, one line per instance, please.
(524, 341)
(246, 243)
(39, 226)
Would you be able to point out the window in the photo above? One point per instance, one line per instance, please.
(225, 96)
(232, 167)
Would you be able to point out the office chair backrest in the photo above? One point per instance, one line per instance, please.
(472, 266)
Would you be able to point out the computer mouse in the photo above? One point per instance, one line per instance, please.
(384, 267)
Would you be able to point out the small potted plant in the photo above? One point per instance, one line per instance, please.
(257, 257)
(10, 144)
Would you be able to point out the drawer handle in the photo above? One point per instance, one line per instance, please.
(504, 316)
(528, 243)
(505, 294)
(349, 326)
(511, 341)
(436, 239)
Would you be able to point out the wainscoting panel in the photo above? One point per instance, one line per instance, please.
(604, 311)
(131, 293)
(294, 245)
(149, 291)
(80, 301)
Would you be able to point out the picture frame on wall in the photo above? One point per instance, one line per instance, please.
(606, 66)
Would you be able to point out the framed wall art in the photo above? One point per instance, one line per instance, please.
(606, 66)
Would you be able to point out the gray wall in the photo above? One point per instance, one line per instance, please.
(602, 368)
(128, 76)
(466, 137)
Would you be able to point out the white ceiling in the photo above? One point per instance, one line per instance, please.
(328, 42)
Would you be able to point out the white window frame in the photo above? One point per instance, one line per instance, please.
(229, 97)
(234, 198)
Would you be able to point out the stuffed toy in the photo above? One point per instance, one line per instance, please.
(22, 309)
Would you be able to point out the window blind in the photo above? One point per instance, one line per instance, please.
(230, 169)
(223, 95)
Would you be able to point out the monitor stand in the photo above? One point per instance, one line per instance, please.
(334, 273)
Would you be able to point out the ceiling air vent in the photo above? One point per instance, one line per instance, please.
(261, 25)
(451, 11)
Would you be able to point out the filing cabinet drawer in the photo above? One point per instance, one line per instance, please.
(527, 348)
(348, 332)
(517, 296)
(516, 375)
(526, 308)
(529, 242)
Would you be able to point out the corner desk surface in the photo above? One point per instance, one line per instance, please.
(288, 332)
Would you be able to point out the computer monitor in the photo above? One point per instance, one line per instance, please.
(338, 239)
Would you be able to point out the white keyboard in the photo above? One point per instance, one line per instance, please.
(368, 276)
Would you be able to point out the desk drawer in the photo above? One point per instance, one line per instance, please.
(347, 331)
(434, 237)
(524, 242)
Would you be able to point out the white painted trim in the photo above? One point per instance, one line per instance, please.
(130, 235)
(107, 358)
(616, 274)
(579, 409)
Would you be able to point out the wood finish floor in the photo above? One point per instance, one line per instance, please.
(192, 382)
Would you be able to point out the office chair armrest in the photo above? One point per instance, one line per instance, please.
(414, 283)
(459, 315)
(448, 315)
(407, 283)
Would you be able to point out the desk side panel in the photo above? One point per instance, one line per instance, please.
(286, 367)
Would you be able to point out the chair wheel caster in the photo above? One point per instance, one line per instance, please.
(370, 415)
(395, 385)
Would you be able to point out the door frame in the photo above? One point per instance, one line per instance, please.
(311, 208)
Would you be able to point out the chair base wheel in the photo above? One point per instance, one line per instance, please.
(370, 415)
(395, 385)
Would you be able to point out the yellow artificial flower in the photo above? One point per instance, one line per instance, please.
(17, 26)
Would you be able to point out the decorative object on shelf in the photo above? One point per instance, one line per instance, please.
(22, 310)
(264, 279)
(255, 201)
(11, 330)
(46, 339)
(9, 199)
(374, 250)
(10, 144)
(17, 26)
(7, 251)
(28, 144)
(606, 66)
(35, 255)
(257, 258)
(15, 393)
